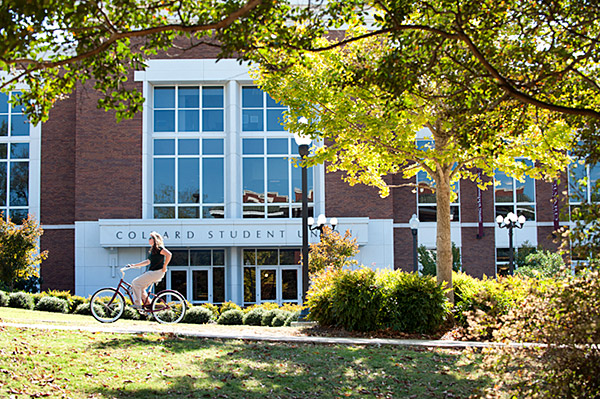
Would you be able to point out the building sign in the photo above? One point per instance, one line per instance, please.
(210, 233)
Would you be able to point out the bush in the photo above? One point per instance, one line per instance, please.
(347, 299)
(213, 308)
(38, 296)
(198, 315)
(543, 264)
(228, 306)
(564, 317)
(84, 309)
(411, 303)
(52, 304)
(21, 300)
(291, 307)
(291, 318)
(130, 313)
(268, 316)
(480, 312)
(75, 302)
(3, 299)
(280, 318)
(231, 317)
(254, 317)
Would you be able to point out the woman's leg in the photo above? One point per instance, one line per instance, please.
(140, 283)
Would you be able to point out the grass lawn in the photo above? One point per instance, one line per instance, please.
(69, 364)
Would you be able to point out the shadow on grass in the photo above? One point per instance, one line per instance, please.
(237, 369)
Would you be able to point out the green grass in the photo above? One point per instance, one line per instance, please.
(79, 364)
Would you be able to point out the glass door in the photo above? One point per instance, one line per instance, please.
(267, 285)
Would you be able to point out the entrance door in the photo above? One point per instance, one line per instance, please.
(278, 284)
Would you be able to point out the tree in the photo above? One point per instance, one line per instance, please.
(333, 251)
(539, 52)
(51, 45)
(19, 250)
(366, 102)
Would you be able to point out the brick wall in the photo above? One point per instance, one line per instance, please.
(478, 253)
(58, 164)
(58, 269)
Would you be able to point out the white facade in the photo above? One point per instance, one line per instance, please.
(104, 246)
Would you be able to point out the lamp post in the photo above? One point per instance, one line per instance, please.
(414, 226)
(321, 222)
(303, 143)
(510, 222)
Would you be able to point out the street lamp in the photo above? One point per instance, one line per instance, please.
(303, 143)
(510, 222)
(321, 222)
(414, 226)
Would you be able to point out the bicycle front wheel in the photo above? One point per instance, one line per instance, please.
(107, 305)
(168, 307)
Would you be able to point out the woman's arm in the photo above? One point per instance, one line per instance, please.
(167, 255)
(138, 265)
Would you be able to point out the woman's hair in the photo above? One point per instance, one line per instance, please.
(156, 243)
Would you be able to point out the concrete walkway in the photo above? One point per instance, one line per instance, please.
(173, 329)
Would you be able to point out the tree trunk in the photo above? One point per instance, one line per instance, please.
(443, 238)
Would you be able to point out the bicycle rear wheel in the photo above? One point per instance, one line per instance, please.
(107, 305)
(168, 307)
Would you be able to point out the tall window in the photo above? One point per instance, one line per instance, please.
(272, 186)
(260, 112)
(187, 108)
(14, 160)
(582, 181)
(189, 178)
(188, 152)
(515, 196)
(426, 200)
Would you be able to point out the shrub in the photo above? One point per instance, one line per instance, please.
(543, 264)
(231, 317)
(228, 306)
(481, 313)
(19, 250)
(347, 299)
(280, 318)
(21, 300)
(428, 260)
(130, 313)
(213, 308)
(3, 299)
(84, 309)
(38, 296)
(198, 315)
(52, 304)
(564, 317)
(291, 307)
(332, 251)
(291, 318)
(268, 316)
(411, 303)
(75, 302)
(254, 317)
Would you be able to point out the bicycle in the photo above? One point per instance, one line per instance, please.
(108, 304)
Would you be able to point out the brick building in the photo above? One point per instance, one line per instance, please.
(207, 165)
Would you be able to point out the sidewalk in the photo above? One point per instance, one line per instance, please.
(190, 332)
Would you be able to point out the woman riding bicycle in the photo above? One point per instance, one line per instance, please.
(158, 259)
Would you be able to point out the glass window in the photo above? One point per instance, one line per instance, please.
(426, 198)
(258, 106)
(14, 159)
(184, 179)
(272, 183)
(513, 195)
(582, 182)
(271, 275)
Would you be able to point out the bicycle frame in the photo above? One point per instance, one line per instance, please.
(127, 289)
